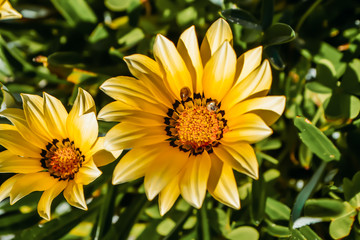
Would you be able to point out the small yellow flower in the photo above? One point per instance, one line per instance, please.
(190, 117)
(7, 11)
(51, 150)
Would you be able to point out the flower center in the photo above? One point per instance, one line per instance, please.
(197, 127)
(195, 124)
(62, 160)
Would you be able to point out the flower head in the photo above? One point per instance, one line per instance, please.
(7, 11)
(51, 150)
(190, 117)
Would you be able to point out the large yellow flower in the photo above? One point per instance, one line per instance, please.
(190, 117)
(51, 150)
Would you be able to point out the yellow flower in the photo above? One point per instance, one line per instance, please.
(7, 11)
(190, 117)
(51, 150)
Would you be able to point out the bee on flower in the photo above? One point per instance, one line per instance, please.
(51, 150)
(190, 117)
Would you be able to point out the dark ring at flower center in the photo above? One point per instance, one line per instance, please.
(62, 159)
(195, 124)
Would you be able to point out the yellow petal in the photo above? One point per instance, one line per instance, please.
(168, 195)
(17, 117)
(176, 75)
(74, 195)
(188, 48)
(219, 72)
(103, 157)
(223, 188)
(147, 70)
(84, 103)
(29, 183)
(6, 187)
(118, 86)
(83, 131)
(100, 156)
(134, 164)
(44, 205)
(216, 35)
(11, 163)
(165, 166)
(55, 116)
(193, 182)
(127, 135)
(269, 108)
(33, 108)
(247, 63)
(248, 127)
(8, 12)
(87, 173)
(11, 139)
(118, 112)
(256, 84)
(240, 156)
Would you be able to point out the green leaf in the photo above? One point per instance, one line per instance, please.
(305, 193)
(316, 141)
(65, 59)
(75, 11)
(219, 3)
(276, 230)
(351, 79)
(342, 106)
(325, 80)
(244, 232)
(218, 220)
(272, 53)
(258, 196)
(131, 38)
(106, 212)
(120, 5)
(186, 16)
(355, 201)
(277, 210)
(203, 223)
(330, 53)
(242, 17)
(175, 231)
(121, 229)
(305, 156)
(304, 233)
(351, 187)
(61, 225)
(267, 9)
(326, 209)
(5, 68)
(277, 34)
(340, 227)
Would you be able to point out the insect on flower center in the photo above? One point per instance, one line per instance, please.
(195, 124)
(62, 159)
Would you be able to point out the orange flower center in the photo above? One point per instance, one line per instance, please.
(195, 124)
(62, 160)
(197, 127)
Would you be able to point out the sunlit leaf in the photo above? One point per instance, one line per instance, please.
(316, 141)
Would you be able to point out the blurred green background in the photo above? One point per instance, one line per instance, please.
(310, 181)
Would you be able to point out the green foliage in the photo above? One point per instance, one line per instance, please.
(309, 185)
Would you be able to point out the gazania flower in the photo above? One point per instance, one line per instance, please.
(51, 150)
(190, 117)
(7, 11)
